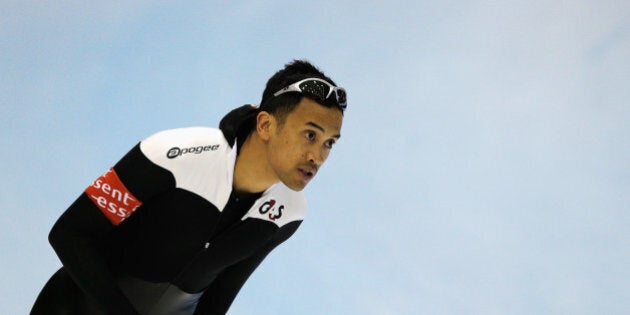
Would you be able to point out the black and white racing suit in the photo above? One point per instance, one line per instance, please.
(162, 232)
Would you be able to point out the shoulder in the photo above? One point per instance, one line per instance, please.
(185, 137)
(174, 143)
(199, 158)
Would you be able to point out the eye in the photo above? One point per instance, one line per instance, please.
(310, 135)
(329, 144)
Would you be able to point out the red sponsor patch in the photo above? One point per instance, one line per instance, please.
(111, 196)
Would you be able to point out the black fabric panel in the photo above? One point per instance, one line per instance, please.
(218, 297)
(164, 234)
(143, 177)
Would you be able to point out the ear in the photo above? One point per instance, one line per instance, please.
(264, 125)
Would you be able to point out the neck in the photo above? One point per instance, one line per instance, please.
(252, 173)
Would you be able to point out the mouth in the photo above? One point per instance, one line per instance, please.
(307, 173)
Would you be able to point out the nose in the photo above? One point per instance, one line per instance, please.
(316, 157)
(311, 157)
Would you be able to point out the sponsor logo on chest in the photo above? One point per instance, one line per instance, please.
(271, 209)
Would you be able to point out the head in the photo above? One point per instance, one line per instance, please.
(289, 136)
(279, 99)
(297, 126)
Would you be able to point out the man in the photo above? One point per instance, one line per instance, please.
(181, 221)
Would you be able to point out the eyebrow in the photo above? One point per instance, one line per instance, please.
(320, 128)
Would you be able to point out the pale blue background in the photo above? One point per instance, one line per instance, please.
(483, 168)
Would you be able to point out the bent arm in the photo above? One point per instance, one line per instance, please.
(219, 296)
(79, 235)
(77, 240)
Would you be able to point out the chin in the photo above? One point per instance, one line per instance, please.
(295, 186)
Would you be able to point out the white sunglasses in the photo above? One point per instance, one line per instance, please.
(318, 88)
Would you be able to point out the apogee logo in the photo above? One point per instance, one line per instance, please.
(269, 207)
(176, 151)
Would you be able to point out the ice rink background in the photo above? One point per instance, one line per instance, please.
(484, 165)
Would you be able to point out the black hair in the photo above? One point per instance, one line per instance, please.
(282, 105)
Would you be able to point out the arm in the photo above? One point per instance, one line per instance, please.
(79, 235)
(221, 293)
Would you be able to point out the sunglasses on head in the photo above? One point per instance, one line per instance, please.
(319, 89)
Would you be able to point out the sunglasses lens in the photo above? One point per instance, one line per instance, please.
(341, 98)
(315, 88)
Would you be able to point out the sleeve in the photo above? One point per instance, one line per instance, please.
(219, 296)
(79, 235)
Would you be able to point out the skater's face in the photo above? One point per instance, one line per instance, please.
(299, 146)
